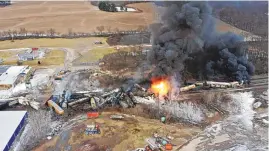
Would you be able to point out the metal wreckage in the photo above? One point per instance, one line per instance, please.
(118, 97)
(121, 97)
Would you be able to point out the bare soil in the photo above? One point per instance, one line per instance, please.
(126, 134)
(80, 16)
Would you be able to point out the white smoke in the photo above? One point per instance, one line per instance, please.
(186, 111)
(174, 88)
(240, 108)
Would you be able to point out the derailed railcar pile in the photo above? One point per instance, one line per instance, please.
(120, 97)
(96, 100)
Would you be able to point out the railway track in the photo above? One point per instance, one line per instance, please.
(258, 82)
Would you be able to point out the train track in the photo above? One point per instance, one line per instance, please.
(259, 82)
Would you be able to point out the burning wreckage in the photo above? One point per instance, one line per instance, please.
(186, 39)
(126, 97)
(117, 97)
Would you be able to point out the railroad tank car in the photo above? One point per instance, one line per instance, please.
(56, 107)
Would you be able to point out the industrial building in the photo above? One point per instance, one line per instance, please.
(13, 75)
(10, 128)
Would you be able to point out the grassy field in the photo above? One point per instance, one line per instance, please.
(94, 55)
(7, 54)
(46, 42)
(54, 57)
(98, 53)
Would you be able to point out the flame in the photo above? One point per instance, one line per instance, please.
(160, 86)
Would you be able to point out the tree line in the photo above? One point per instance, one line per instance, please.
(254, 21)
(23, 33)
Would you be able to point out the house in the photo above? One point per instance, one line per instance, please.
(25, 56)
(31, 54)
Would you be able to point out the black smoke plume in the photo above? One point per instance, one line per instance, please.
(187, 38)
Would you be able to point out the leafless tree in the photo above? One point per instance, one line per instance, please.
(41, 33)
(100, 28)
(141, 28)
(39, 125)
(70, 32)
(117, 30)
(15, 33)
(35, 33)
(23, 32)
(108, 28)
(9, 33)
(51, 32)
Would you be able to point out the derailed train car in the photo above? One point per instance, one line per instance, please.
(210, 84)
(213, 84)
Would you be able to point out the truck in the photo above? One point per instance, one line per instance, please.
(92, 129)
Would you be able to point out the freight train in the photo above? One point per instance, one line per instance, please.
(210, 84)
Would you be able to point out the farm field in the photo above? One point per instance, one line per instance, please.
(77, 43)
(94, 54)
(78, 16)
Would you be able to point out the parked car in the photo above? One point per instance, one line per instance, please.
(92, 129)
(98, 42)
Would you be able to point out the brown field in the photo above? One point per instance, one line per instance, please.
(127, 134)
(78, 16)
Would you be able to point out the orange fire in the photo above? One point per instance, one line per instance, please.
(160, 86)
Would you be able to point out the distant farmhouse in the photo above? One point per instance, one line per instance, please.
(31, 54)
(5, 2)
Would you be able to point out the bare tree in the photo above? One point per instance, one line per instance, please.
(38, 126)
(51, 32)
(117, 30)
(9, 33)
(70, 32)
(108, 28)
(15, 33)
(141, 28)
(41, 33)
(23, 32)
(35, 33)
(100, 28)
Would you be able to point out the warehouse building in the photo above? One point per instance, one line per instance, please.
(10, 128)
(13, 75)
(3, 69)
